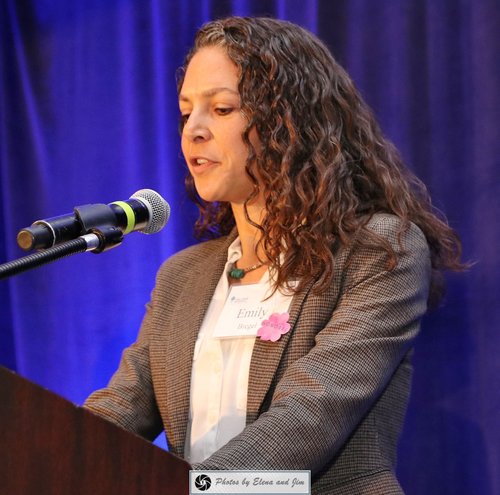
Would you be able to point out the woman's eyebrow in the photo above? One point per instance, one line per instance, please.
(211, 92)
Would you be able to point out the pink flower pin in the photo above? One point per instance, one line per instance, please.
(273, 328)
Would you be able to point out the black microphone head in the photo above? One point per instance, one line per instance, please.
(159, 209)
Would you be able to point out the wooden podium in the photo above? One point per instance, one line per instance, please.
(50, 446)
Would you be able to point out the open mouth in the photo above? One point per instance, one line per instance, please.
(201, 164)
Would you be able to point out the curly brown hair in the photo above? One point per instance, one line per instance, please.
(324, 165)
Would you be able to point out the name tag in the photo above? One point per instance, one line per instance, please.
(245, 309)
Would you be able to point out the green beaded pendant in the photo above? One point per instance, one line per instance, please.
(237, 273)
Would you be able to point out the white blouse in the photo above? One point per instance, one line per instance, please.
(219, 380)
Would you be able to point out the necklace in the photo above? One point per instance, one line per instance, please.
(239, 273)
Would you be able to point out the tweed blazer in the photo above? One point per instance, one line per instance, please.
(329, 396)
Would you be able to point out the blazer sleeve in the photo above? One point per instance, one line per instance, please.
(323, 396)
(129, 399)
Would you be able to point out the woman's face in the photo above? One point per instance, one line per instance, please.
(212, 141)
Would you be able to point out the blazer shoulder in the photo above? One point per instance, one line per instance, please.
(367, 257)
(392, 229)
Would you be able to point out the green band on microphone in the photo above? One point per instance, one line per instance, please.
(130, 215)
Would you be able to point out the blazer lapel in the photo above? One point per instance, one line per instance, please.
(186, 322)
(266, 357)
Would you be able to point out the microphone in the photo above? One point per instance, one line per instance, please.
(145, 211)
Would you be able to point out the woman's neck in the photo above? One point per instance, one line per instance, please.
(249, 234)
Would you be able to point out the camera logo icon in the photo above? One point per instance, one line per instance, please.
(203, 482)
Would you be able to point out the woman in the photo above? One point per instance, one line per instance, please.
(329, 249)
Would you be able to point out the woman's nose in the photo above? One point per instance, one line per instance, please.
(196, 128)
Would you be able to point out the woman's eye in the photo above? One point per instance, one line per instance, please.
(223, 110)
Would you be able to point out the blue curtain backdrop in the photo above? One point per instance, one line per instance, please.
(88, 113)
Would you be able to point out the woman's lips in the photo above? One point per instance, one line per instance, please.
(199, 165)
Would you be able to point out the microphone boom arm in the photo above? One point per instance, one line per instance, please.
(98, 240)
